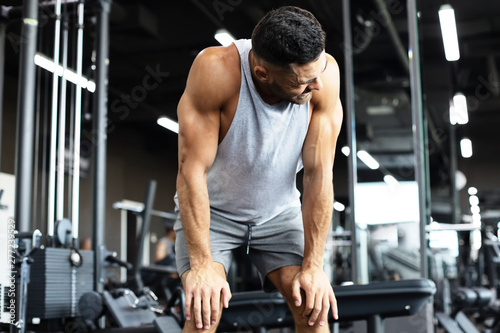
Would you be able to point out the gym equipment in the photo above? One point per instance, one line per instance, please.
(460, 324)
(16, 301)
(492, 257)
(372, 302)
(127, 312)
(57, 282)
(455, 320)
(133, 306)
(156, 276)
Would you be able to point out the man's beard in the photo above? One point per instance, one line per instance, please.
(276, 90)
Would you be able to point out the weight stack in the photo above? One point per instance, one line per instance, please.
(56, 285)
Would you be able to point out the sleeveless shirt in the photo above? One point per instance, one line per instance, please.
(253, 177)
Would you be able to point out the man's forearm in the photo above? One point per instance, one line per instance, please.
(317, 208)
(195, 216)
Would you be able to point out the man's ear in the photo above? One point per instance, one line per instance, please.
(261, 73)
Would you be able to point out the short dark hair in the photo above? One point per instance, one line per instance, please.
(288, 35)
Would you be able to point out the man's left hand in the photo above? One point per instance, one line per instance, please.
(318, 295)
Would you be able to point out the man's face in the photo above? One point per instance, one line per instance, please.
(296, 85)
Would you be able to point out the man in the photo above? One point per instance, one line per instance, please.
(165, 253)
(252, 115)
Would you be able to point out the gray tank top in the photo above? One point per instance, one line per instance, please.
(253, 177)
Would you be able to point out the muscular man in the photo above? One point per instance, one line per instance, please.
(253, 114)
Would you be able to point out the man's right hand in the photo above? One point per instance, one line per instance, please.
(206, 289)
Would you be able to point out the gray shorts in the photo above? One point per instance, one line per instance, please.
(272, 245)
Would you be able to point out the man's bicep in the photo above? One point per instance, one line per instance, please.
(198, 133)
(199, 110)
(321, 139)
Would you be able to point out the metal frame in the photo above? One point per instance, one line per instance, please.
(24, 139)
(99, 128)
(419, 138)
(26, 116)
(75, 197)
(51, 198)
(351, 132)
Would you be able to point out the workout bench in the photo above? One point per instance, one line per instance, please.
(259, 311)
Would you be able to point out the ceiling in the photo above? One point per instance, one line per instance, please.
(164, 37)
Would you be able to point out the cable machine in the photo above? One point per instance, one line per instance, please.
(52, 276)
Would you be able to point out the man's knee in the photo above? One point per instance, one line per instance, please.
(283, 278)
(190, 327)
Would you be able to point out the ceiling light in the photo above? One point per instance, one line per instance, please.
(472, 190)
(368, 160)
(474, 200)
(71, 76)
(379, 110)
(168, 124)
(458, 110)
(449, 32)
(466, 148)
(346, 150)
(390, 180)
(338, 206)
(224, 37)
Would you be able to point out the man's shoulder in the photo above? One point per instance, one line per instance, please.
(331, 85)
(216, 72)
(220, 59)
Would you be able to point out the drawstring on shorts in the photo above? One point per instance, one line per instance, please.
(249, 237)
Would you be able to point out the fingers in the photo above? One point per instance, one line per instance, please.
(317, 304)
(215, 305)
(316, 309)
(187, 306)
(203, 305)
(197, 306)
(297, 297)
(226, 295)
(323, 319)
(312, 308)
(333, 301)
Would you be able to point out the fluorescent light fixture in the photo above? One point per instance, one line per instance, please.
(472, 190)
(474, 200)
(466, 147)
(346, 150)
(168, 124)
(49, 65)
(338, 206)
(476, 217)
(458, 110)
(224, 37)
(368, 160)
(449, 32)
(379, 110)
(390, 180)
